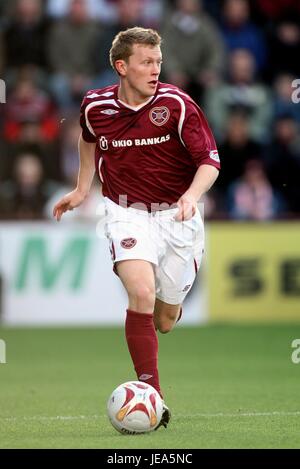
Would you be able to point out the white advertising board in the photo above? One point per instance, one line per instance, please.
(61, 274)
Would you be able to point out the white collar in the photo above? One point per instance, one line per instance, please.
(139, 106)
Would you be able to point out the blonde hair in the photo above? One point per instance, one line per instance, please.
(121, 48)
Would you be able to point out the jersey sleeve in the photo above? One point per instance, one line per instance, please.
(87, 134)
(198, 138)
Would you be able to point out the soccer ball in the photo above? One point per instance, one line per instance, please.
(135, 407)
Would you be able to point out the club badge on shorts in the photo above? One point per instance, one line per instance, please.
(128, 243)
(159, 115)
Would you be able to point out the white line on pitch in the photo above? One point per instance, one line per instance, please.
(195, 415)
(56, 417)
(242, 414)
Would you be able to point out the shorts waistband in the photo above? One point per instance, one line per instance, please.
(162, 209)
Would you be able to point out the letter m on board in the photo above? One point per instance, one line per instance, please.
(37, 264)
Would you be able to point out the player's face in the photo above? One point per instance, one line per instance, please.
(142, 69)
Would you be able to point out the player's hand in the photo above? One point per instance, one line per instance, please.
(187, 206)
(68, 202)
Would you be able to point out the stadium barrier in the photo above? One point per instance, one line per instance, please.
(57, 275)
(62, 275)
(254, 272)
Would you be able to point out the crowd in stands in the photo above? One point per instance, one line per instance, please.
(239, 60)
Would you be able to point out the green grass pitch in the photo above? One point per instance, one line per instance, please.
(227, 387)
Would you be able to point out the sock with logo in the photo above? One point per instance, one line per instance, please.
(143, 346)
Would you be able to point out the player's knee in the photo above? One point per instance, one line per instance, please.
(165, 322)
(142, 296)
(165, 327)
(144, 293)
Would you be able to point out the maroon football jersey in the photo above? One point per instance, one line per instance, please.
(148, 153)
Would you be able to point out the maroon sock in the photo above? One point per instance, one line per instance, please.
(143, 346)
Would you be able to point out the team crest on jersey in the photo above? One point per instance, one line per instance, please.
(109, 112)
(128, 243)
(159, 115)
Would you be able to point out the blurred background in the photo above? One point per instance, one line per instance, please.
(239, 60)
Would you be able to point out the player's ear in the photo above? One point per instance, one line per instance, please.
(121, 67)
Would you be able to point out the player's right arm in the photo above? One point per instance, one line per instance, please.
(84, 181)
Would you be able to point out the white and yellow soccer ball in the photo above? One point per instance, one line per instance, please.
(135, 407)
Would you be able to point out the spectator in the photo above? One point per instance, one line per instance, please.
(24, 196)
(240, 92)
(31, 141)
(127, 17)
(282, 99)
(104, 10)
(284, 45)
(27, 103)
(270, 10)
(70, 47)
(237, 149)
(107, 11)
(283, 161)
(240, 33)
(193, 51)
(252, 197)
(23, 40)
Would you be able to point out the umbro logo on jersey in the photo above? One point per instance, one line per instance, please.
(96, 95)
(109, 112)
(93, 95)
(159, 115)
(214, 155)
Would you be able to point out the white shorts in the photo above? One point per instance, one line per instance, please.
(174, 248)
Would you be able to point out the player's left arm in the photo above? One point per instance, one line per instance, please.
(200, 143)
(202, 182)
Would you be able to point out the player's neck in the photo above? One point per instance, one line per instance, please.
(131, 97)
